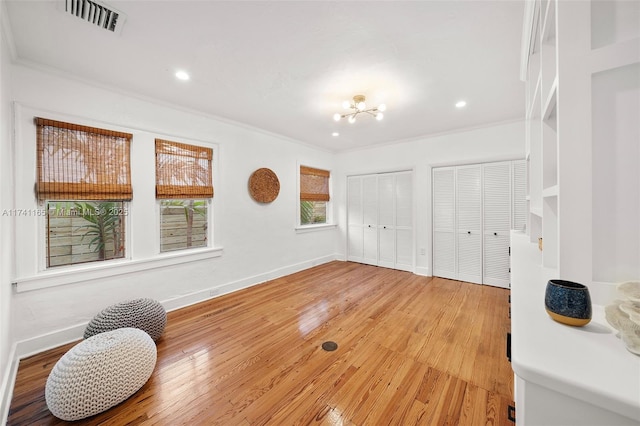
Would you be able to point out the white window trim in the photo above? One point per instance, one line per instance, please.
(315, 227)
(32, 274)
(109, 268)
(300, 228)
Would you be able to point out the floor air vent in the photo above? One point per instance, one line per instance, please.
(95, 13)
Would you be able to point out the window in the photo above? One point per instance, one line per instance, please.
(314, 195)
(84, 180)
(84, 231)
(184, 187)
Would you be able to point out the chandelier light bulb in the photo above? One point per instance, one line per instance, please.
(358, 106)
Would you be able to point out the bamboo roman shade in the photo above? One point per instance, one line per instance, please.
(82, 163)
(183, 171)
(314, 184)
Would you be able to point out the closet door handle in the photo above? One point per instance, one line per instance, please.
(384, 227)
(468, 232)
(495, 233)
(369, 226)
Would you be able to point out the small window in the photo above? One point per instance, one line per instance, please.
(184, 187)
(183, 224)
(313, 212)
(314, 195)
(84, 180)
(84, 231)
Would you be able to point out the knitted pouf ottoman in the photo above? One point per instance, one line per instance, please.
(146, 314)
(99, 373)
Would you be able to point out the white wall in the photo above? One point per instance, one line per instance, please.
(616, 177)
(259, 240)
(493, 143)
(5, 225)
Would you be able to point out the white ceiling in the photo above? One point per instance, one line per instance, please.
(286, 66)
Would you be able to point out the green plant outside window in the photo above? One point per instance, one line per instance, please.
(85, 231)
(313, 212)
(183, 224)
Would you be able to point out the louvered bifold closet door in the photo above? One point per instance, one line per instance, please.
(444, 222)
(469, 223)
(404, 221)
(496, 190)
(519, 190)
(370, 219)
(354, 219)
(386, 221)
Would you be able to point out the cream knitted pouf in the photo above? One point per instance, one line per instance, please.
(99, 373)
(146, 314)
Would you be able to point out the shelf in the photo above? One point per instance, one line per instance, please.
(551, 191)
(536, 211)
(615, 55)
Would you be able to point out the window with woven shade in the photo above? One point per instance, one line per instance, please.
(184, 186)
(81, 162)
(314, 195)
(84, 180)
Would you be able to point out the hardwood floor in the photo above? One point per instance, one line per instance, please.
(411, 350)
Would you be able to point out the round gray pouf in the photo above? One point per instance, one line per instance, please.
(146, 314)
(99, 373)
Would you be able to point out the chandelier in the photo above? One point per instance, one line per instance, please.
(358, 106)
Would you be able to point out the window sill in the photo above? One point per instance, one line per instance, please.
(301, 229)
(53, 278)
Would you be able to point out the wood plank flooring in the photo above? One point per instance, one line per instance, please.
(412, 350)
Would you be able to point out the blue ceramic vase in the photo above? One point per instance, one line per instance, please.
(568, 302)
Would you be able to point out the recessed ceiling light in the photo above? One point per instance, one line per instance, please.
(461, 104)
(182, 75)
(334, 134)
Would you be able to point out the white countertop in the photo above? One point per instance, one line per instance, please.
(587, 363)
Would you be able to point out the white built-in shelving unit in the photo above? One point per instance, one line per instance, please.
(581, 65)
(542, 133)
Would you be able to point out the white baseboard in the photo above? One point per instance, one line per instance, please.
(202, 295)
(342, 257)
(34, 345)
(423, 271)
(6, 386)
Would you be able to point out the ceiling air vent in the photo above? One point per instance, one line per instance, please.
(96, 13)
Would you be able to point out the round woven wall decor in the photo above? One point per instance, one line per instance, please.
(264, 185)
